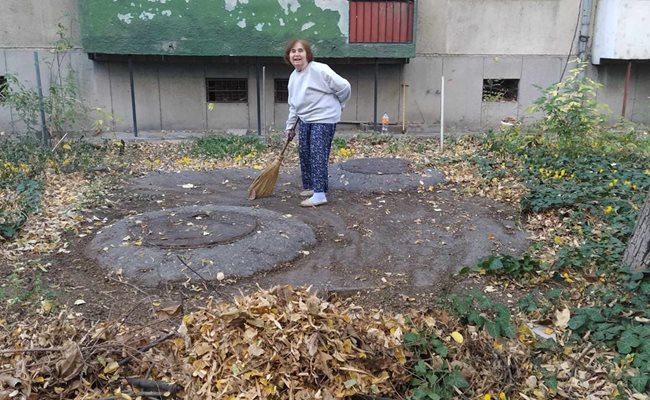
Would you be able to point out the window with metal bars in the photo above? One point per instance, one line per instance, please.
(381, 21)
(226, 90)
(3, 88)
(495, 90)
(281, 90)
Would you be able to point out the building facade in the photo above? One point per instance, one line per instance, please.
(216, 65)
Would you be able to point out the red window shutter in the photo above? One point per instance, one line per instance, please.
(381, 21)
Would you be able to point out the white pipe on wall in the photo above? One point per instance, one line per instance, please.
(442, 112)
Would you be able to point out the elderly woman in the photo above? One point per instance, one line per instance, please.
(317, 95)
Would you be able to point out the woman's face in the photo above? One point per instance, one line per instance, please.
(298, 56)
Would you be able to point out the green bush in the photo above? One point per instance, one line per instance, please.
(570, 108)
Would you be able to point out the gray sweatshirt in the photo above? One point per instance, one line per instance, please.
(316, 95)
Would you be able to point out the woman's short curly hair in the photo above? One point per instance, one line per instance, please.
(305, 45)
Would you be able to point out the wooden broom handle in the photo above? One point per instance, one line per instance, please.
(286, 142)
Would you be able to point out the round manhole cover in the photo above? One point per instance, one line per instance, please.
(376, 166)
(193, 229)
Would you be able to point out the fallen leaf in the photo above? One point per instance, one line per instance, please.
(562, 318)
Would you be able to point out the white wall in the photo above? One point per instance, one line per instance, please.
(622, 30)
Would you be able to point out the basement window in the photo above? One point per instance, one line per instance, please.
(220, 90)
(4, 89)
(281, 90)
(497, 90)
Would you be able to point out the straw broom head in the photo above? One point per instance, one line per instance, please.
(264, 184)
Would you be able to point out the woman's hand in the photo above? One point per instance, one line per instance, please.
(289, 134)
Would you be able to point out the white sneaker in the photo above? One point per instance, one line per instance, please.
(312, 203)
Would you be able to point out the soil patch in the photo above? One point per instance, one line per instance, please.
(386, 247)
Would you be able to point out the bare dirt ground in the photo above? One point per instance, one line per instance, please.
(388, 250)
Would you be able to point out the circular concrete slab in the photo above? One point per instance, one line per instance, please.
(191, 229)
(235, 241)
(380, 175)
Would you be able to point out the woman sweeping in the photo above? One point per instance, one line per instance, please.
(317, 95)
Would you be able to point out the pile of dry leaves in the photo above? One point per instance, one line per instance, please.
(285, 343)
(282, 343)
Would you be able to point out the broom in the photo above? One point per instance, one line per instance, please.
(264, 184)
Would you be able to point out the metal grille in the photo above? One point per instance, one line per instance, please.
(219, 90)
(281, 90)
(3, 88)
(381, 21)
(495, 90)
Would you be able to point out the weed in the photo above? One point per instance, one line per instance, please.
(228, 146)
(433, 377)
(474, 308)
(509, 265)
(339, 143)
(18, 290)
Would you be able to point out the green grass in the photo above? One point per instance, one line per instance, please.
(228, 146)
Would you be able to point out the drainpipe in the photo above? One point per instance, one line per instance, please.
(584, 29)
(45, 137)
(259, 98)
(375, 96)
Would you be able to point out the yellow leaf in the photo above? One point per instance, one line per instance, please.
(487, 397)
(502, 396)
(46, 306)
(188, 319)
(400, 356)
(457, 337)
(111, 367)
(39, 379)
(66, 146)
(557, 240)
(257, 166)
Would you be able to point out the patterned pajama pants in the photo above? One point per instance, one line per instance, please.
(315, 142)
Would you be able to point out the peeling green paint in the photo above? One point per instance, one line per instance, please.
(223, 27)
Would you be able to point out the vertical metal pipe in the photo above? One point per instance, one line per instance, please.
(45, 138)
(375, 95)
(133, 111)
(585, 22)
(628, 73)
(404, 86)
(442, 112)
(264, 126)
(259, 99)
